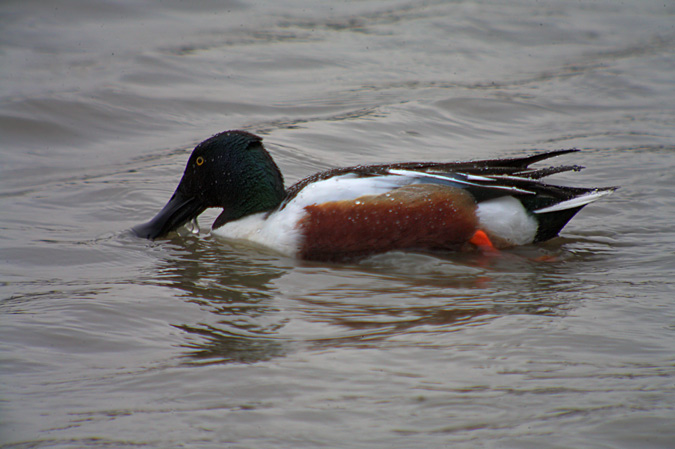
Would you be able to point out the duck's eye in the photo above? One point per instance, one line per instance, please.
(200, 161)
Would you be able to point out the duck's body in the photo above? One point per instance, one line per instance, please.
(357, 211)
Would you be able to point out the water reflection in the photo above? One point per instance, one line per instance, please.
(377, 304)
(220, 346)
(261, 304)
(234, 285)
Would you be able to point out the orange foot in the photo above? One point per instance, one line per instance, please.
(482, 241)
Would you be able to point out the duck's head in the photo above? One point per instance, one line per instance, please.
(231, 170)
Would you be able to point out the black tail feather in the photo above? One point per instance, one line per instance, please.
(551, 224)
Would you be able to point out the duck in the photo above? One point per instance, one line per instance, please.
(353, 212)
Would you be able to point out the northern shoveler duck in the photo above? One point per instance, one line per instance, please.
(347, 213)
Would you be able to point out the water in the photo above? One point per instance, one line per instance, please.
(112, 341)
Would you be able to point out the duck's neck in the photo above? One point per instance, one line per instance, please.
(261, 188)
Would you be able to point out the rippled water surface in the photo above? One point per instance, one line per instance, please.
(112, 341)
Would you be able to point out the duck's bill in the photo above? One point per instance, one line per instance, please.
(179, 210)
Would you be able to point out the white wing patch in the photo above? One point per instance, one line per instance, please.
(575, 202)
(461, 179)
(346, 187)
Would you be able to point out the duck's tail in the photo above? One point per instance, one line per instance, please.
(553, 218)
(495, 183)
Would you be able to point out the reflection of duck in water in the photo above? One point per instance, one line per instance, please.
(234, 318)
(352, 212)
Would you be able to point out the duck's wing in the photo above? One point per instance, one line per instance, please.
(511, 173)
(485, 180)
(518, 166)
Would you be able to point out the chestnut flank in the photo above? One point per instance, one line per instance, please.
(421, 216)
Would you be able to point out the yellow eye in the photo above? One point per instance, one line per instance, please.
(200, 160)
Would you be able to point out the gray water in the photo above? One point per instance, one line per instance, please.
(112, 341)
